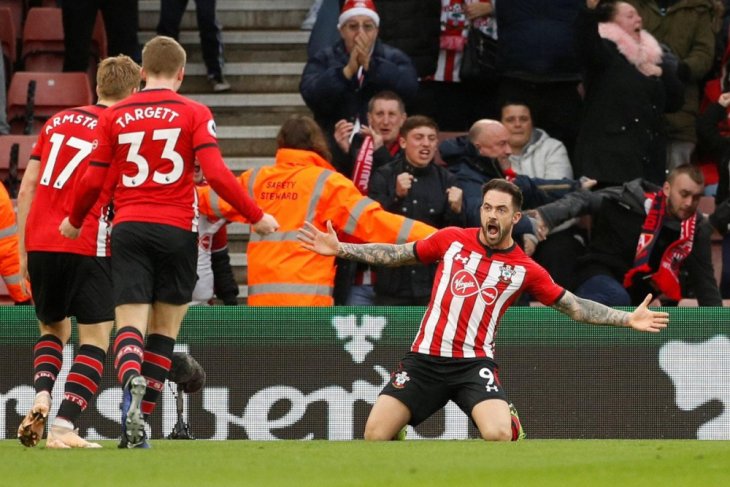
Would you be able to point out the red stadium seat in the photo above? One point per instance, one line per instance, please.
(25, 146)
(53, 92)
(16, 12)
(43, 40)
(8, 41)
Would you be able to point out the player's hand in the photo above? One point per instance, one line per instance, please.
(403, 183)
(266, 225)
(316, 241)
(24, 278)
(644, 319)
(68, 230)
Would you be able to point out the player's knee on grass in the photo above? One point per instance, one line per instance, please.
(381, 431)
(494, 432)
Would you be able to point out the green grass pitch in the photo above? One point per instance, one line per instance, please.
(619, 463)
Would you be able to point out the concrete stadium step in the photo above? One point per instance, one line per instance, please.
(273, 77)
(257, 14)
(270, 46)
(252, 109)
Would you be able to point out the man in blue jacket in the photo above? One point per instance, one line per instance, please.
(338, 81)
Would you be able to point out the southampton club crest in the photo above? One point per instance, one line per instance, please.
(400, 379)
(506, 273)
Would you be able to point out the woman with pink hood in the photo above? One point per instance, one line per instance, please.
(629, 84)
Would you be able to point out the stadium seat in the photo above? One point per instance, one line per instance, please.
(43, 42)
(8, 41)
(25, 145)
(42, 48)
(16, 12)
(53, 92)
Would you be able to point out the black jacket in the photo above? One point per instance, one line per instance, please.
(618, 215)
(427, 202)
(622, 135)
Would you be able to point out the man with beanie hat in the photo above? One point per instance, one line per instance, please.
(338, 81)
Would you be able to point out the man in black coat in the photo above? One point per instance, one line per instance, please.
(414, 186)
(642, 237)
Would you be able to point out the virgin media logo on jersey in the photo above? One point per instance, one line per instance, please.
(464, 284)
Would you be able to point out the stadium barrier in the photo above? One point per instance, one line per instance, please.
(303, 373)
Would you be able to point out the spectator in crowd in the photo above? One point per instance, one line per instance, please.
(537, 62)
(481, 272)
(121, 22)
(155, 220)
(374, 146)
(484, 155)
(537, 155)
(211, 41)
(454, 103)
(303, 186)
(10, 268)
(642, 237)
(717, 144)
(70, 277)
(376, 143)
(338, 82)
(685, 26)
(534, 152)
(413, 185)
(627, 91)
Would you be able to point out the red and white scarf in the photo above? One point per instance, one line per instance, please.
(666, 278)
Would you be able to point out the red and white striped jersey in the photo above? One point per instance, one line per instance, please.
(63, 147)
(473, 288)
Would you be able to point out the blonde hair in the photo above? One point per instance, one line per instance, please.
(163, 56)
(117, 77)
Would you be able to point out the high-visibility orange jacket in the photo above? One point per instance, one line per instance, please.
(302, 186)
(9, 256)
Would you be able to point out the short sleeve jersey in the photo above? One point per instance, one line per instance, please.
(63, 147)
(473, 287)
(150, 140)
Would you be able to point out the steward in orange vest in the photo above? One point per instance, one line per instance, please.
(303, 186)
(18, 287)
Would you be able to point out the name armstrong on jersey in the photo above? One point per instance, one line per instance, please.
(75, 118)
(160, 113)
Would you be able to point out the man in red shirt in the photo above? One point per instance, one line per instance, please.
(69, 277)
(481, 272)
(151, 141)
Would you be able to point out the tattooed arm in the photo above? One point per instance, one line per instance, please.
(378, 254)
(587, 311)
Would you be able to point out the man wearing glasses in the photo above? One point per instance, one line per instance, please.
(338, 81)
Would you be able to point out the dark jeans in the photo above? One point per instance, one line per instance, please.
(211, 42)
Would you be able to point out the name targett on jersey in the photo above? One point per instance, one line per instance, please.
(160, 113)
(75, 118)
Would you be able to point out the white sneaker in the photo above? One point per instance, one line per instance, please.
(219, 85)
